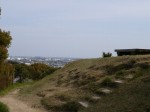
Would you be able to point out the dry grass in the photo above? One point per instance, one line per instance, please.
(81, 80)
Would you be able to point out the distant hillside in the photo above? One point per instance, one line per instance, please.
(117, 84)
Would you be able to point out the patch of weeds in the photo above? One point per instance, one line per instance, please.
(86, 98)
(92, 67)
(51, 104)
(3, 108)
(71, 106)
(120, 74)
(71, 71)
(146, 79)
(99, 92)
(41, 94)
(126, 65)
(107, 82)
(74, 76)
(111, 69)
(139, 72)
(90, 78)
(63, 97)
(15, 86)
(89, 98)
(61, 81)
(92, 87)
(130, 63)
(83, 82)
(58, 106)
(143, 65)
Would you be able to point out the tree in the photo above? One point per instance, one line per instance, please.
(22, 72)
(6, 69)
(5, 41)
(39, 70)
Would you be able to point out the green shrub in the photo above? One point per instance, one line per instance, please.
(3, 108)
(71, 106)
(143, 66)
(107, 82)
(35, 71)
(39, 71)
(138, 73)
(111, 69)
(59, 106)
(22, 71)
(106, 54)
(63, 97)
(91, 87)
(120, 74)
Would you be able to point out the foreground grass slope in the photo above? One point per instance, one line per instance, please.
(131, 97)
(117, 84)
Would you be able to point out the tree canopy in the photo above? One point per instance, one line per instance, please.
(5, 41)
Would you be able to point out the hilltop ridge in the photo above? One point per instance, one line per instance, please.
(87, 85)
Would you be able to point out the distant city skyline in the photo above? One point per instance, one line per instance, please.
(75, 28)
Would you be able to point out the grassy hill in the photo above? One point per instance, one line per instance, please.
(117, 84)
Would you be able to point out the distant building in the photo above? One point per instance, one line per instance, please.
(121, 52)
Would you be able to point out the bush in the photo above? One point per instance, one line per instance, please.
(55, 104)
(5, 41)
(35, 71)
(120, 74)
(108, 82)
(22, 72)
(112, 69)
(71, 106)
(106, 54)
(39, 71)
(3, 108)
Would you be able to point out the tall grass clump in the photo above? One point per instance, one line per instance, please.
(108, 82)
(3, 108)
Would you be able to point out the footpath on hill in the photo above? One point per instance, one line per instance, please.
(16, 105)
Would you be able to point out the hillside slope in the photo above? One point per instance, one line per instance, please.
(117, 84)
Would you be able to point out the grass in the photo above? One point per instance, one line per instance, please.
(3, 108)
(83, 79)
(14, 86)
(108, 82)
(70, 106)
(131, 97)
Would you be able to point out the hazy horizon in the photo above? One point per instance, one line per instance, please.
(75, 28)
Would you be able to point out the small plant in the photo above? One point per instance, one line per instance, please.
(57, 106)
(108, 82)
(63, 97)
(106, 54)
(71, 106)
(3, 108)
(120, 74)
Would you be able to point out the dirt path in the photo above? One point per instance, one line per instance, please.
(16, 105)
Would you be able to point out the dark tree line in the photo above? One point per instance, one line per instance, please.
(35, 71)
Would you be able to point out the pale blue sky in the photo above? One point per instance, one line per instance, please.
(75, 28)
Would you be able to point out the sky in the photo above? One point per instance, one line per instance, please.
(75, 28)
